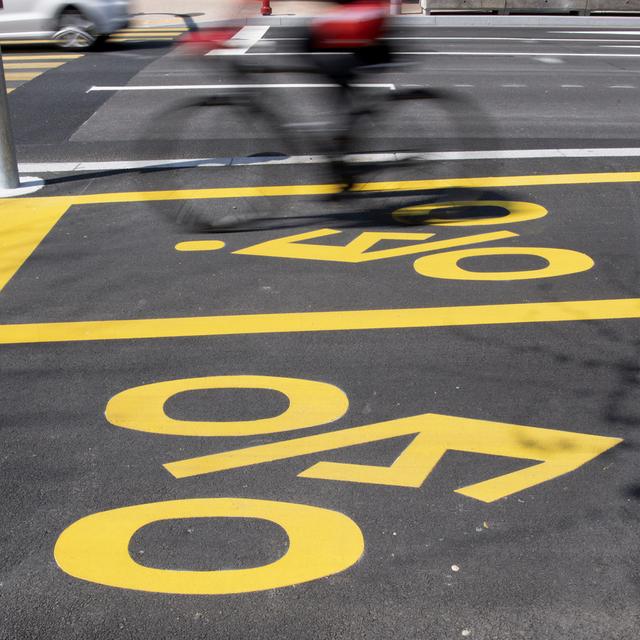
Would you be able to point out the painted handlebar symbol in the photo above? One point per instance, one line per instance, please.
(322, 542)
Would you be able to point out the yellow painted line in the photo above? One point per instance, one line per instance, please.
(315, 321)
(306, 322)
(160, 23)
(33, 65)
(11, 89)
(150, 24)
(161, 32)
(139, 38)
(158, 28)
(25, 42)
(45, 56)
(320, 189)
(12, 75)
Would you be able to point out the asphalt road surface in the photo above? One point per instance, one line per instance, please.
(408, 414)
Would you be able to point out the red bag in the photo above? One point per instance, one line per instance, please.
(358, 24)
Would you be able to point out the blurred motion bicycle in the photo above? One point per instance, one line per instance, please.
(353, 138)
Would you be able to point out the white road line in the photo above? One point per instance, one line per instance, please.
(196, 87)
(534, 54)
(514, 39)
(514, 86)
(608, 33)
(506, 39)
(119, 165)
(620, 46)
(299, 53)
(242, 41)
(572, 86)
(621, 86)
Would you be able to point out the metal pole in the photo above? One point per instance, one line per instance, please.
(396, 7)
(9, 178)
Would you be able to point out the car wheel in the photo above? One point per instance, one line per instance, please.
(75, 31)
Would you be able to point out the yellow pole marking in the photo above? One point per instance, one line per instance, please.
(305, 322)
(559, 452)
(321, 543)
(22, 76)
(33, 65)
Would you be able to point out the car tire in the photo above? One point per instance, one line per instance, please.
(75, 32)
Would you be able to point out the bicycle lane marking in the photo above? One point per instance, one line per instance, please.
(26, 222)
(85, 551)
(322, 542)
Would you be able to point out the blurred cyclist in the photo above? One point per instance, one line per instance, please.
(340, 43)
(348, 38)
(343, 42)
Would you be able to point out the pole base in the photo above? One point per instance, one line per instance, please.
(28, 184)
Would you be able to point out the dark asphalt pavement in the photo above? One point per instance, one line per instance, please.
(523, 348)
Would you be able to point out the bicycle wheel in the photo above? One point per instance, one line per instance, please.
(409, 151)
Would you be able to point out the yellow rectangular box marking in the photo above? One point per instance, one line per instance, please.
(25, 222)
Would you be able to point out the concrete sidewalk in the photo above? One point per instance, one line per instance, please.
(213, 9)
(297, 12)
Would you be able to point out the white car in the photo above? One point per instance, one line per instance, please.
(75, 24)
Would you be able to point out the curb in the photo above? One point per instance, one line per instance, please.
(471, 20)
